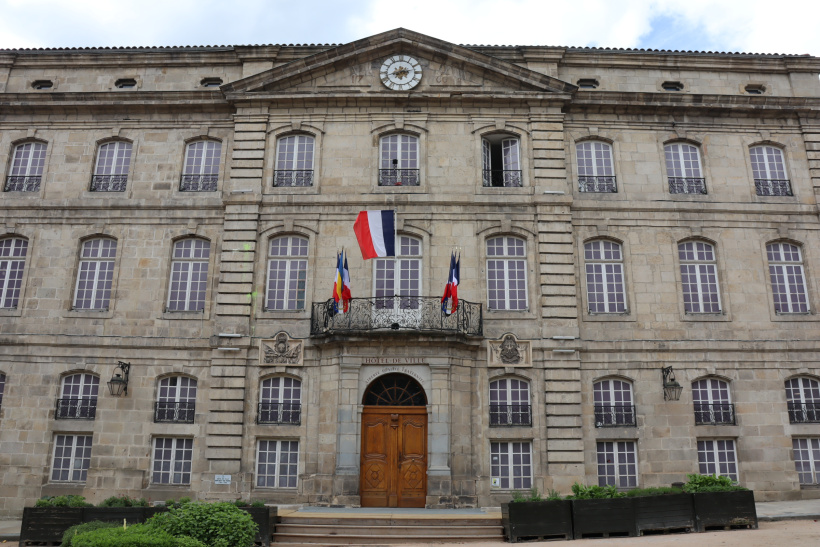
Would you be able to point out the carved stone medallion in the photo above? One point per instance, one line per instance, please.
(508, 351)
(282, 350)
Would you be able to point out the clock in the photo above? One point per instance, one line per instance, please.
(400, 72)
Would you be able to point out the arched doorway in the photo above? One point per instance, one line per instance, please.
(393, 470)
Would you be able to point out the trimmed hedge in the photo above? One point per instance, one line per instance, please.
(78, 529)
(139, 535)
(214, 524)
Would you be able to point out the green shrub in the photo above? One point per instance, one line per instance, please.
(214, 524)
(123, 501)
(553, 495)
(85, 527)
(658, 491)
(258, 503)
(138, 535)
(518, 497)
(710, 483)
(581, 492)
(240, 503)
(62, 501)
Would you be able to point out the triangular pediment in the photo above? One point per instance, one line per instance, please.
(355, 68)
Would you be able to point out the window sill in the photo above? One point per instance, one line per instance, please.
(270, 190)
(185, 315)
(283, 314)
(507, 190)
(89, 314)
(11, 312)
(420, 189)
(609, 317)
(799, 317)
(13, 194)
(706, 317)
(810, 487)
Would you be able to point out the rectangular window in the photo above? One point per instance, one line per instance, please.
(807, 459)
(277, 464)
(172, 461)
(717, 457)
(72, 454)
(511, 465)
(617, 464)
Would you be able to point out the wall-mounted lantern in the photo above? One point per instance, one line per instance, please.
(671, 388)
(118, 384)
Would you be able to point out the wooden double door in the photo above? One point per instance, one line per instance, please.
(393, 467)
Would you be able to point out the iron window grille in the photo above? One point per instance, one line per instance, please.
(505, 178)
(198, 183)
(83, 408)
(687, 185)
(510, 415)
(293, 177)
(773, 187)
(16, 183)
(109, 183)
(279, 413)
(804, 413)
(601, 185)
(714, 414)
(175, 411)
(399, 177)
(615, 416)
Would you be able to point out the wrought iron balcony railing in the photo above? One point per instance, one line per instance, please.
(687, 185)
(773, 187)
(501, 415)
(279, 413)
(597, 184)
(175, 411)
(409, 313)
(615, 415)
(16, 183)
(505, 178)
(76, 408)
(298, 177)
(399, 177)
(714, 414)
(804, 413)
(198, 183)
(108, 183)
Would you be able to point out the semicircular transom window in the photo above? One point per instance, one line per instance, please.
(395, 390)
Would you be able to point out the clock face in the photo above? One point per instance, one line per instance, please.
(400, 72)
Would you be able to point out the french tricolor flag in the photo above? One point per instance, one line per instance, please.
(376, 233)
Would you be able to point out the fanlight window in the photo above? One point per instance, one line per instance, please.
(294, 161)
(501, 160)
(510, 402)
(395, 390)
(613, 403)
(78, 398)
(26, 170)
(280, 401)
(713, 402)
(176, 400)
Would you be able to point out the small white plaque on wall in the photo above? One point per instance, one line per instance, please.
(222, 479)
(496, 482)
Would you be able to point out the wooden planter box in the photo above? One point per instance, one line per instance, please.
(537, 519)
(725, 509)
(603, 518)
(265, 518)
(48, 524)
(132, 515)
(664, 513)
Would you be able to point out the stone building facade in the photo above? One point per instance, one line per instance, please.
(616, 212)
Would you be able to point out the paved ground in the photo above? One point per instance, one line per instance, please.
(792, 523)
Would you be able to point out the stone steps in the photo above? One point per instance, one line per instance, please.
(372, 530)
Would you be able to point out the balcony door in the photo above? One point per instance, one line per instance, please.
(394, 444)
(398, 287)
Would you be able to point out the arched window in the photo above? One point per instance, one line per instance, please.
(201, 172)
(510, 402)
(683, 169)
(280, 401)
(713, 402)
(176, 400)
(787, 278)
(189, 275)
(507, 273)
(595, 171)
(399, 165)
(2, 388)
(26, 170)
(603, 262)
(769, 171)
(613, 403)
(287, 273)
(96, 274)
(111, 170)
(698, 275)
(12, 263)
(803, 399)
(78, 397)
(294, 161)
(397, 281)
(501, 160)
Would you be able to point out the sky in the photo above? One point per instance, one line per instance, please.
(754, 26)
